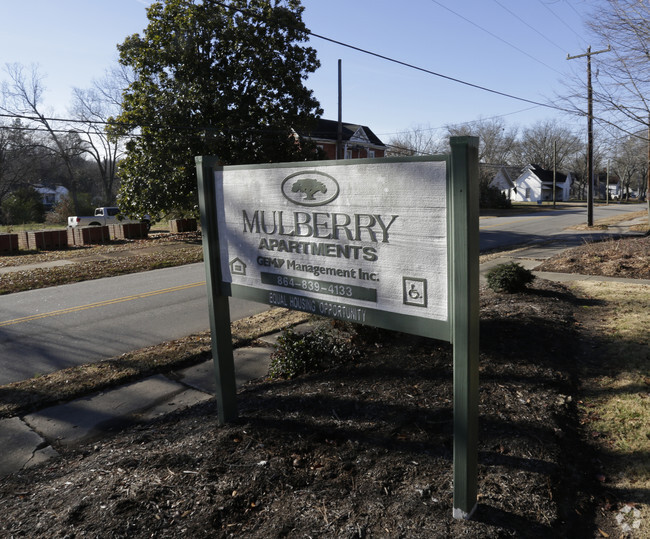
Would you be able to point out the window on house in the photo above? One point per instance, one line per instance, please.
(348, 154)
(371, 153)
(527, 192)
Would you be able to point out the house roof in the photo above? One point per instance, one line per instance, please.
(508, 173)
(546, 176)
(328, 130)
(59, 189)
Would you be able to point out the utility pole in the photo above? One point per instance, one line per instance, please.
(554, 169)
(590, 133)
(647, 191)
(339, 134)
(607, 186)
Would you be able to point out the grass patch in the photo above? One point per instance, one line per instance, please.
(616, 405)
(8, 229)
(605, 223)
(18, 281)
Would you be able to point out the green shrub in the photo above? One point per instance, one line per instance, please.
(510, 277)
(23, 206)
(492, 197)
(302, 353)
(65, 207)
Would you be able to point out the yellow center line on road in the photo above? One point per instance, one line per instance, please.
(104, 303)
(511, 222)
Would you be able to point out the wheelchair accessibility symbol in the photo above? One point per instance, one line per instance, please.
(415, 291)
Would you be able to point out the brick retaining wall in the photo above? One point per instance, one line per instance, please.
(8, 243)
(33, 240)
(87, 235)
(128, 231)
(182, 225)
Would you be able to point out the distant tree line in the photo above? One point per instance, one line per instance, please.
(548, 144)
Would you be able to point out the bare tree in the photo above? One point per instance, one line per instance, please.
(622, 86)
(22, 97)
(92, 112)
(630, 165)
(546, 143)
(576, 163)
(419, 140)
(93, 108)
(621, 76)
(16, 150)
(497, 142)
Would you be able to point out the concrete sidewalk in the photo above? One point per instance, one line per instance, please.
(33, 439)
(30, 440)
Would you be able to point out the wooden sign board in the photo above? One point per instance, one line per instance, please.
(390, 242)
(362, 242)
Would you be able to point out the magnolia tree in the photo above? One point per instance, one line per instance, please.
(211, 78)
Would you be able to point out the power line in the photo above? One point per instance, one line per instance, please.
(495, 117)
(430, 72)
(195, 128)
(541, 34)
(577, 13)
(39, 129)
(572, 30)
(406, 64)
(63, 120)
(495, 36)
(336, 42)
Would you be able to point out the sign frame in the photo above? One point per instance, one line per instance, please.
(461, 327)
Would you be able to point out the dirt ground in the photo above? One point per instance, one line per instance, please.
(362, 449)
(611, 258)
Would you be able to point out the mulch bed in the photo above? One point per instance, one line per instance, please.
(625, 257)
(359, 450)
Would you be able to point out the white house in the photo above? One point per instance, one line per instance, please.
(534, 184)
(618, 191)
(51, 197)
(614, 189)
(504, 180)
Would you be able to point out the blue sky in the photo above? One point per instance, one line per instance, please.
(518, 47)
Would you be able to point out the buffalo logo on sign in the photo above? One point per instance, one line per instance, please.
(311, 188)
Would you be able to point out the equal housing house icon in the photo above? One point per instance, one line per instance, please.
(237, 266)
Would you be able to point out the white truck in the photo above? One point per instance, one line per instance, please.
(106, 215)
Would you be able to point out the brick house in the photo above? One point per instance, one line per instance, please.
(358, 140)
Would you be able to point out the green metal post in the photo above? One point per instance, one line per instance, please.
(217, 302)
(464, 278)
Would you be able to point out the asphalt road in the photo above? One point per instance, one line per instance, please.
(45, 330)
(49, 329)
(499, 232)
